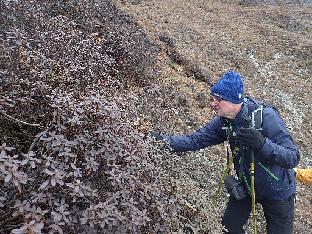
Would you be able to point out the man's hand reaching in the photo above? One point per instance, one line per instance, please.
(157, 136)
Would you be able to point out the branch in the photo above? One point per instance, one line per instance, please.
(37, 138)
(17, 120)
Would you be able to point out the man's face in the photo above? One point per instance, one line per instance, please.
(224, 108)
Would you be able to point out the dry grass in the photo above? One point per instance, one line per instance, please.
(271, 45)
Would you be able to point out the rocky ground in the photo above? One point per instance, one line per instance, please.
(269, 43)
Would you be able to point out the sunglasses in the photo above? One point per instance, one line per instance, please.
(216, 99)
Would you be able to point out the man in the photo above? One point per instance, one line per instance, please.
(274, 151)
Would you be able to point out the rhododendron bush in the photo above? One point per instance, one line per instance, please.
(73, 159)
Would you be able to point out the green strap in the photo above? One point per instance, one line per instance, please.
(268, 171)
(246, 182)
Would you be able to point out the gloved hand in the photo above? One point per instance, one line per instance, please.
(157, 136)
(250, 137)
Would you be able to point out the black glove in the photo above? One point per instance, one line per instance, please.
(157, 136)
(250, 137)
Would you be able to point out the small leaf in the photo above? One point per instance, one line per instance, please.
(47, 171)
(24, 162)
(38, 227)
(53, 182)
(44, 184)
(8, 177)
(21, 230)
(15, 182)
(9, 148)
(70, 185)
(33, 165)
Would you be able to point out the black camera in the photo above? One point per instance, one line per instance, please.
(234, 187)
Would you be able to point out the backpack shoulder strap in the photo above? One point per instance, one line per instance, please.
(257, 118)
(227, 127)
(268, 105)
(254, 115)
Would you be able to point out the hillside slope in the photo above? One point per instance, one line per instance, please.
(269, 44)
(82, 83)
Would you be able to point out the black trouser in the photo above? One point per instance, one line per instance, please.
(279, 215)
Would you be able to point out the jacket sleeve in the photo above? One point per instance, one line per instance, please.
(279, 147)
(211, 134)
(304, 175)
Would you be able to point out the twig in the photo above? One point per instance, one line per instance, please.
(10, 219)
(37, 138)
(19, 121)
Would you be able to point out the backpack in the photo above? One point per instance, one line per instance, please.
(254, 119)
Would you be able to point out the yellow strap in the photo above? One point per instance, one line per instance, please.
(253, 196)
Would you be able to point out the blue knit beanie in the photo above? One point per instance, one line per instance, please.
(229, 87)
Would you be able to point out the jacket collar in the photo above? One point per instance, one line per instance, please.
(239, 117)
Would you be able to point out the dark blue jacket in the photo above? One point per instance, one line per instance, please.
(279, 153)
